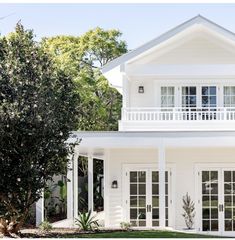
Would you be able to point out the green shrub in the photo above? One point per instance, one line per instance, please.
(125, 226)
(45, 226)
(86, 222)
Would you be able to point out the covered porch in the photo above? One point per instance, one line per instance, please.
(141, 152)
(186, 157)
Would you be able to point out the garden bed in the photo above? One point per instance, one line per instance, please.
(75, 233)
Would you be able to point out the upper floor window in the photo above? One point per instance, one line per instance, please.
(189, 96)
(167, 96)
(208, 96)
(229, 96)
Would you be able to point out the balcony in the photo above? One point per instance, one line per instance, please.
(177, 118)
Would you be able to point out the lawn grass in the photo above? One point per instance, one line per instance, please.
(138, 234)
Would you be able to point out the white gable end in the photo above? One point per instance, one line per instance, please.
(199, 50)
(197, 47)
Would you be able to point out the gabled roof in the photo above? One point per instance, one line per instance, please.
(145, 47)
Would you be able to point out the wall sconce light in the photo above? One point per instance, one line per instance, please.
(141, 89)
(115, 184)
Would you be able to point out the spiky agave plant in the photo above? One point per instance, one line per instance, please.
(86, 221)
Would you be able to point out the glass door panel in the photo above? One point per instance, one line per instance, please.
(210, 201)
(189, 102)
(209, 102)
(138, 198)
(155, 198)
(229, 200)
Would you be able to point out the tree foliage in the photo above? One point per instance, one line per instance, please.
(82, 58)
(38, 109)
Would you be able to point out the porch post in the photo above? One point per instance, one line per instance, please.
(70, 188)
(40, 210)
(90, 182)
(106, 188)
(75, 185)
(162, 169)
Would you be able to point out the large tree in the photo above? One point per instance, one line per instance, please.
(38, 109)
(82, 58)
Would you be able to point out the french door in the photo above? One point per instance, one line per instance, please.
(218, 200)
(142, 197)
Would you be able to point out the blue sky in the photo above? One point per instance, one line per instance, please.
(138, 22)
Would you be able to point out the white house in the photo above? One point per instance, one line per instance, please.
(176, 134)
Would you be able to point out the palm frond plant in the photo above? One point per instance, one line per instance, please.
(189, 211)
(86, 221)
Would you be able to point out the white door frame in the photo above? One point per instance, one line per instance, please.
(171, 186)
(220, 167)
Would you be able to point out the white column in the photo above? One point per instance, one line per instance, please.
(90, 182)
(40, 211)
(75, 179)
(162, 169)
(106, 188)
(70, 189)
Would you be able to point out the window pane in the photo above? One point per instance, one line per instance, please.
(232, 101)
(184, 90)
(232, 91)
(133, 189)
(167, 97)
(142, 202)
(171, 91)
(212, 90)
(226, 101)
(154, 176)
(163, 91)
(213, 100)
(164, 101)
(171, 101)
(205, 91)
(142, 189)
(226, 90)
(192, 91)
(193, 101)
(133, 201)
(133, 176)
(141, 176)
(205, 101)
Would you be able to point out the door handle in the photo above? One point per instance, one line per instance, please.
(221, 207)
(149, 208)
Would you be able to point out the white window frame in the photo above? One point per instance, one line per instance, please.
(230, 86)
(167, 95)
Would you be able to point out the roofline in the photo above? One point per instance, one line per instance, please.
(155, 134)
(139, 50)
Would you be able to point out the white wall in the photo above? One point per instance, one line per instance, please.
(199, 59)
(184, 159)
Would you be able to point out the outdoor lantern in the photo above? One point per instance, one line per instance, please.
(141, 89)
(115, 184)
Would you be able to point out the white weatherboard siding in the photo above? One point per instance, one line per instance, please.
(119, 157)
(184, 161)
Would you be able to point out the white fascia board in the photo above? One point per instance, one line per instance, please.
(150, 139)
(151, 44)
(174, 70)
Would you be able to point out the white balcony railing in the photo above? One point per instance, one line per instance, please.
(179, 114)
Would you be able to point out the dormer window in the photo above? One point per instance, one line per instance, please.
(167, 97)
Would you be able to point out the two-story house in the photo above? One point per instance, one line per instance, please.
(176, 134)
